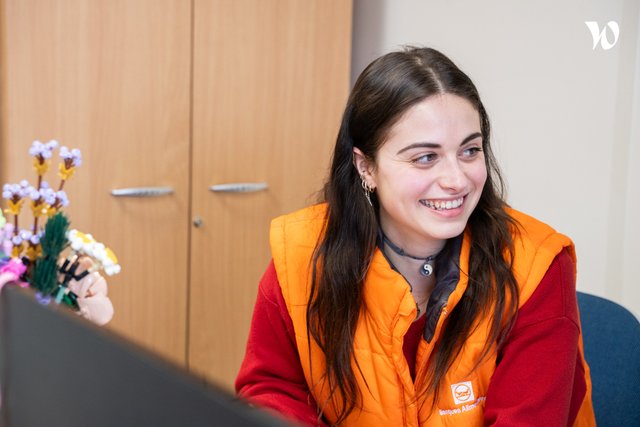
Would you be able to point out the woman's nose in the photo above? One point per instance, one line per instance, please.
(452, 176)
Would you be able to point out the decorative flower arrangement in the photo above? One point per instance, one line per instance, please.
(62, 265)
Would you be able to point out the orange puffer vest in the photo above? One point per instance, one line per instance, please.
(389, 395)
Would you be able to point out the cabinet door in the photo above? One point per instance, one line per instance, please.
(270, 83)
(111, 77)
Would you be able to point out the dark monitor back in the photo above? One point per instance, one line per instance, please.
(59, 370)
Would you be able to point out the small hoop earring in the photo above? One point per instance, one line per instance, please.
(368, 189)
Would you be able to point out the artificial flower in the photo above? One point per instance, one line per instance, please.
(41, 154)
(103, 257)
(38, 149)
(71, 160)
(15, 194)
(43, 244)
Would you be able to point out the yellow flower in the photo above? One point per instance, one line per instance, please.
(39, 208)
(14, 207)
(16, 251)
(64, 172)
(33, 252)
(41, 167)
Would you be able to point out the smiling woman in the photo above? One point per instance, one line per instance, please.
(429, 173)
(413, 295)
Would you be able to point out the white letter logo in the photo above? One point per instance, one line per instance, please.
(601, 36)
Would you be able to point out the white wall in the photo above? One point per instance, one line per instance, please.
(565, 116)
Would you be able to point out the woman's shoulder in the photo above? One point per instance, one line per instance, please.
(293, 238)
(532, 233)
(303, 224)
(535, 246)
(312, 212)
(313, 215)
(529, 224)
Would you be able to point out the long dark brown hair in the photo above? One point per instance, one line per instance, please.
(386, 89)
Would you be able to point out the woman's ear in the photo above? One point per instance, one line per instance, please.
(364, 166)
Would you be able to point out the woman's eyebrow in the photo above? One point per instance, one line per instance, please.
(419, 145)
(471, 138)
(435, 145)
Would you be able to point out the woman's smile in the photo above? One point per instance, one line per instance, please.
(441, 205)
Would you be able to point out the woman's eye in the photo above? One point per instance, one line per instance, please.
(471, 152)
(424, 159)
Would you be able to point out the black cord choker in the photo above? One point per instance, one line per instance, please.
(427, 263)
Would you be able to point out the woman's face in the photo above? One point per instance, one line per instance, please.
(429, 173)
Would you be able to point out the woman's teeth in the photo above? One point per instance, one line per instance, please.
(441, 205)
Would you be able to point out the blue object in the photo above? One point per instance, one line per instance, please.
(611, 336)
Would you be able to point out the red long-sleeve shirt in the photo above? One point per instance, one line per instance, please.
(539, 377)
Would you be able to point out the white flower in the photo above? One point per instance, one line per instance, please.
(85, 244)
(79, 240)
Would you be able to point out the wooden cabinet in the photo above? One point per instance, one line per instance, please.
(186, 95)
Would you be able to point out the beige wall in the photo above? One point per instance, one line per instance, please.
(565, 116)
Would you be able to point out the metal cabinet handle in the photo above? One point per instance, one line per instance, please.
(141, 191)
(239, 187)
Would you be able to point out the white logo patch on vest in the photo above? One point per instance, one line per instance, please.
(462, 393)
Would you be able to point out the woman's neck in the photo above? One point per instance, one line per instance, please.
(421, 285)
(411, 244)
(416, 266)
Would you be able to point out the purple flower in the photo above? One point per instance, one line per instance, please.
(7, 191)
(26, 235)
(16, 192)
(38, 149)
(46, 194)
(61, 199)
(34, 194)
(72, 158)
(42, 299)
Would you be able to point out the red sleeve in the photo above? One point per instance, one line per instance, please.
(271, 375)
(539, 378)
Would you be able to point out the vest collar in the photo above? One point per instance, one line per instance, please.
(447, 279)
